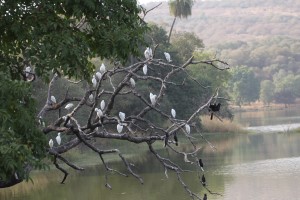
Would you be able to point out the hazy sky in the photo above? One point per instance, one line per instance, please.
(147, 1)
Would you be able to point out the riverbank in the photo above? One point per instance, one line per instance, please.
(259, 106)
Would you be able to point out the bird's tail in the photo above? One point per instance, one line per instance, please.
(211, 116)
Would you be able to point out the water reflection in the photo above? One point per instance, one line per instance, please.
(265, 180)
(269, 117)
(245, 166)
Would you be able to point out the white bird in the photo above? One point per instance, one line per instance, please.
(91, 97)
(145, 69)
(122, 116)
(168, 57)
(102, 68)
(152, 98)
(69, 106)
(119, 128)
(98, 75)
(173, 112)
(102, 105)
(42, 122)
(50, 143)
(188, 128)
(132, 82)
(53, 99)
(58, 138)
(148, 53)
(27, 70)
(99, 112)
(94, 81)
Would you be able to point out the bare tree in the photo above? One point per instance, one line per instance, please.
(132, 128)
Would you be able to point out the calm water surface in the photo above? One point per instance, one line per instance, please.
(258, 166)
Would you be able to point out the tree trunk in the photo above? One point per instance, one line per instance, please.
(170, 33)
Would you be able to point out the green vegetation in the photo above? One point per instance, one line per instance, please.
(42, 37)
(243, 85)
(266, 94)
(261, 36)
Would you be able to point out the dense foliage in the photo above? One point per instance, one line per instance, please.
(262, 36)
(22, 143)
(64, 35)
(43, 37)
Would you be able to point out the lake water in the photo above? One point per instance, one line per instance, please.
(260, 166)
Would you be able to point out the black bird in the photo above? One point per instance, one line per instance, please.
(166, 139)
(205, 197)
(203, 180)
(175, 139)
(214, 108)
(201, 164)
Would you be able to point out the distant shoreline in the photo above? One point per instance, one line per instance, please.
(258, 106)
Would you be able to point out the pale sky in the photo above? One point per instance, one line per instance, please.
(147, 1)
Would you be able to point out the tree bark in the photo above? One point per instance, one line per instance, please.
(170, 33)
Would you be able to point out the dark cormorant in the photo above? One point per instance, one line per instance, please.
(214, 108)
(166, 139)
(205, 197)
(203, 180)
(175, 139)
(201, 164)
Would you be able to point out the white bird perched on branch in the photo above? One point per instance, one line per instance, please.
(99, 112)
(145, 69)
(102, 105)
(94, 81)
(102, 68)
(188, 129)
(132, 82)
(168, 57)
(50, 143)
(148, 53)
(119, 128)
(122, 116)
(91, 97)
(69, 106)
(152, 98)
(173, 112)
(98, 75)
(58, 138)
(53, 99)
(27, 71)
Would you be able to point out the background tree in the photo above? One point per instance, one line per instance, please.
(266, 94)
(243, 85)
(286, 87)
(181, 9)
(184, 44)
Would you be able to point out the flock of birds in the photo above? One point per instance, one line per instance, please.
(153, 98)
(97, 77)
(58, 140)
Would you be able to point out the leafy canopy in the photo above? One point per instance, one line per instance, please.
(63, 35)
(181, 8)
(53, 36)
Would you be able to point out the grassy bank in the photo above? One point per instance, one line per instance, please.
(224, 126)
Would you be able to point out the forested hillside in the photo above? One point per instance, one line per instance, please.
(259, 39)
(231, 20)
